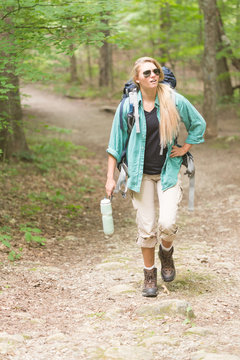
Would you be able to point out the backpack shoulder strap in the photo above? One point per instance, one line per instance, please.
(121, 111)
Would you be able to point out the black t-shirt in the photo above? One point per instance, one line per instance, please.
(153, 161)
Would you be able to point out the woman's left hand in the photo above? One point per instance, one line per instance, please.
(180, 151)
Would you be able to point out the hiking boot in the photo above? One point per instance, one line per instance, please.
(168, 272)
(150, 283)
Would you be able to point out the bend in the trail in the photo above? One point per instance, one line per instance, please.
(89, 125)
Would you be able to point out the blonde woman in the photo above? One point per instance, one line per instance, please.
(153, 164)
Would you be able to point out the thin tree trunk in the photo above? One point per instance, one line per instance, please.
(73, 66)
(226, 42)
(224, 86)
(89, 64)
(111, 66)
(164, 27)
(105, 60)
(104, 65)
(209, 8)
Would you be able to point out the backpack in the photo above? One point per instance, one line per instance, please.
(130, 90)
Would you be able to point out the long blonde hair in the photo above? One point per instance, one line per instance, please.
(169, 124)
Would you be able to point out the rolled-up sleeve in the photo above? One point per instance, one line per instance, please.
(192, 119)
(118, 136)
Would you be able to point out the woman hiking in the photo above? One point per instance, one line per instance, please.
(153, 164)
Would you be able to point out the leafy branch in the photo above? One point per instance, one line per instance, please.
(20, 7)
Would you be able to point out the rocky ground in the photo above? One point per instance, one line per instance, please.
(80, 297)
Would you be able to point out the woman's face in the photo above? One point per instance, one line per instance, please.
(148, 76)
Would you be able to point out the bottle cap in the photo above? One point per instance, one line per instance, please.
(105, 201)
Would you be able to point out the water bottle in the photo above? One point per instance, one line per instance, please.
(107, 219)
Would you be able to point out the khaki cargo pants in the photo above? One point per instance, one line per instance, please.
(148, 231)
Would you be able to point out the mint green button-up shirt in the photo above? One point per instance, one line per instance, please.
(193, 121)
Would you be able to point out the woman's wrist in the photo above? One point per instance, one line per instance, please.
(110, 177)
(186, 147)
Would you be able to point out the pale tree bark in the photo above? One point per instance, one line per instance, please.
(226, 44)
(209, 9)
(12, 137)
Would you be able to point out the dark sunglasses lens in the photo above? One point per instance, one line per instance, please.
(146, 73)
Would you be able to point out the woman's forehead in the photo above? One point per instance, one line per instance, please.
(147, 66)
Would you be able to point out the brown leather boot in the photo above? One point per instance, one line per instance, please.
(168, 271)
(150, 283)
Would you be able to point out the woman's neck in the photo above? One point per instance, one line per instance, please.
(148, 95)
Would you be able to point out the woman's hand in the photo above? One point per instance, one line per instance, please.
(110, 186)
(180, 151)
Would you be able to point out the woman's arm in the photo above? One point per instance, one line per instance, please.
(110, 184)
(192, 119)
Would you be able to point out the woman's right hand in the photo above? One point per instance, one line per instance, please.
(110, 186)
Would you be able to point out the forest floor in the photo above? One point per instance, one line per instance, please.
(79, 295)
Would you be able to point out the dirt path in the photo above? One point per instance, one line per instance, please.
(89, 124)
(85, 302)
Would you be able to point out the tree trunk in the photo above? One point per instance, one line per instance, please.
(105, 60)
(104, 65)
(12, 137)
(224, 86)
(89, 65)
(164, 28)
(73, 66)
(111, 66)
(226, 42)
(209, 65)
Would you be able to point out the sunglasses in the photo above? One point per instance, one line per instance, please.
(147, 73)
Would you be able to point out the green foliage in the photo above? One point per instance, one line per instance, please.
(224, 142)
(30, 209)
(58, 129)
(159, 30)
(56, 196)
(73, 210)
(51, 152)
(35, 31)
(189, 316)
(30, 237)
(5, 239)
(44, 197)
(194, 99)
(13, 255)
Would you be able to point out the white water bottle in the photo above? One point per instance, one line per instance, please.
(107, 219)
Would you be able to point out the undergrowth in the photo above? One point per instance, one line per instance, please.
(44, 191)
